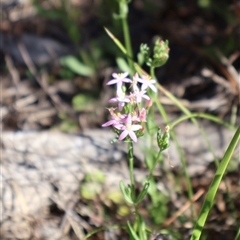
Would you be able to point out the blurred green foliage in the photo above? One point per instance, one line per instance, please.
(101, 53)
(76, 66)
(84, 101)
(62, 11)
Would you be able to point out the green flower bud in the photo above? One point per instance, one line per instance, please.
(160, 53)
(163, 140)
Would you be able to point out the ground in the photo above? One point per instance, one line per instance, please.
(42, 90)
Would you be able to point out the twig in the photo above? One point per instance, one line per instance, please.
(183, 208)
(60, 106)
(13, 71)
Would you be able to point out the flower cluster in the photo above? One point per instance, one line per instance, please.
(129, 117)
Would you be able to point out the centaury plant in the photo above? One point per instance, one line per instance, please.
(132, 116)
(128, 121)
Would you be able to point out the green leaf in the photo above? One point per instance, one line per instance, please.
(142, 228)
(82, 102)
(143, 193)
(237, 235)
(209, 200)
(76, 66)
(131, 232)
(122, 64)
(116, 41)
(126, 191)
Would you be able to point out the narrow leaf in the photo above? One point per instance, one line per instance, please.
(209, 200)
(126, 192)
(76, 66)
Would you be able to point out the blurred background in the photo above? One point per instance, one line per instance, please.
(56, 58)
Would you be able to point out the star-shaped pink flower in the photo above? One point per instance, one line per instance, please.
(121, 99)
(119, 79)
(139, 95)
(129, 129)
(116, 119)
(147, 82)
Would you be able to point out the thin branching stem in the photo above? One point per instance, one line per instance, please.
(131, 161)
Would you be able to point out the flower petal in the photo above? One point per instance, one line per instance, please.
(153, 88)
(136, 127)
(113, 81)
(133, 136)
(123, 135)
(111, 122)
(115, 75)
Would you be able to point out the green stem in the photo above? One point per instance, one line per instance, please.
(127, 41)
(204, 116)
(152, 73)
(154, 166)
(131, 159)
(173, 135)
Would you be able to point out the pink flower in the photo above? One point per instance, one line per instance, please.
(128, 129)
(119, 79)
(116, 119)
(135, 82)
(139, 117)
(139, 95)
(147, 82)
(135, 117)
(143, 115)
(121, 99)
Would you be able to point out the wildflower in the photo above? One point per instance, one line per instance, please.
(121, 98)
(135, 117)
(135, 82)
(129, 128)
(116, 118)
(130, 117)
(119, 79)
(143, 115)
(147, 82)
(138, 95)
(139, 117)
